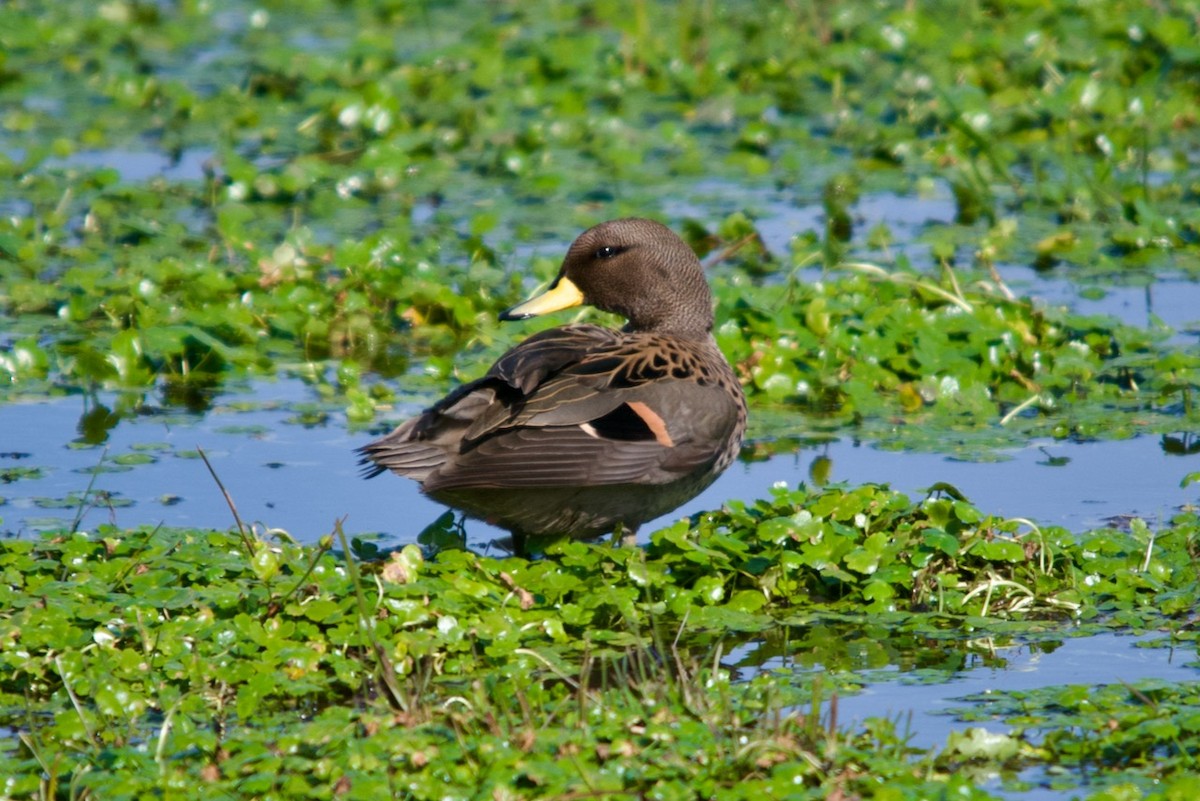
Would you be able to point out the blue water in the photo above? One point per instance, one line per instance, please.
(302, 479)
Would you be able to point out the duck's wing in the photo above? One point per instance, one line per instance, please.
(625, 410)
(573, 406)
(630, 444)
(428, 441)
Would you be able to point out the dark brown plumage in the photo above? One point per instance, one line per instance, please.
(580, 429)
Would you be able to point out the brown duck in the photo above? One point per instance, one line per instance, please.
(581, 429)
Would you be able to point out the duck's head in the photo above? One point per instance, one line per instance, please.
(636, 268)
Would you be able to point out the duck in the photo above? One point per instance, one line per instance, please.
(582, 430)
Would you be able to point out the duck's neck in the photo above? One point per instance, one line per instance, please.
(690, 332)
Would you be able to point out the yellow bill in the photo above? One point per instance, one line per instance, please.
(562, 294)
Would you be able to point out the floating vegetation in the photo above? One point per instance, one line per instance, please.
(198, 195)
(286, 669)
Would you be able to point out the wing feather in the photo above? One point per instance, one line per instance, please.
(551, 457)
(540, 415)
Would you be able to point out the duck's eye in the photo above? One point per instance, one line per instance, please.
(609, 251)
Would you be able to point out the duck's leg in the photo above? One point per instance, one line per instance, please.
(624, 535)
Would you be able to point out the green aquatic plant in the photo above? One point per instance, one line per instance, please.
(887, 344)
(143, 659)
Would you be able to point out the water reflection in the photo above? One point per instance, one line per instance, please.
(864, 646)
(1093, 660)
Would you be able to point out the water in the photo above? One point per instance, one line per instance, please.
(1100, 659)
(302, 479)
(136, 166)
(926, 710)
